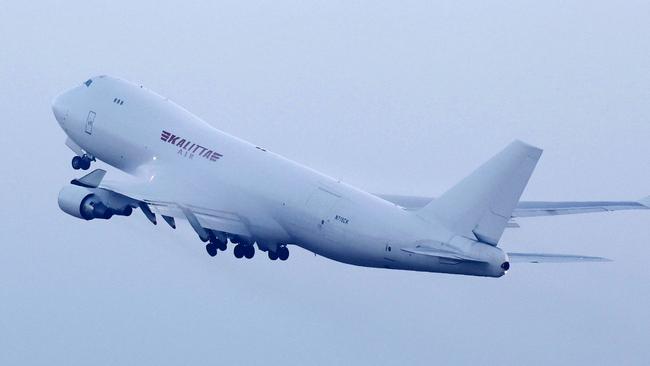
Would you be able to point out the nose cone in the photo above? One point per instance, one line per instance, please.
(60, 108)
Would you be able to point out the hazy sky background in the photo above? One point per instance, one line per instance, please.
(394, 97)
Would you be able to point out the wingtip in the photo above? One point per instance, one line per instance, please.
(533, 151)
(645, 201)
(598, 259)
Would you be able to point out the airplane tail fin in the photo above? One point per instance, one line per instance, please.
(482, 203)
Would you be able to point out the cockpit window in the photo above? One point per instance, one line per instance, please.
(88, 82)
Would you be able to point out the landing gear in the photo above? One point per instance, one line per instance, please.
(81, 162)
(216, 242)
(247, 251)
(211, 248)
(250, 252)
(272, 255)
(283, 253)
(238, 251)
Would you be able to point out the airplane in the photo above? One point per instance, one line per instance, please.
(231, 191)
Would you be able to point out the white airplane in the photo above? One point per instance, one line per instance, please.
(180, 167)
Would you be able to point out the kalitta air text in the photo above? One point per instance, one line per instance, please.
(188, 148)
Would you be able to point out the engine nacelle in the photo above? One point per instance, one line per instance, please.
(92, 203)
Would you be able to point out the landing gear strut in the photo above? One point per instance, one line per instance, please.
(82, 162)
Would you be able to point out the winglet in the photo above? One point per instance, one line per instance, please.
(90, 180)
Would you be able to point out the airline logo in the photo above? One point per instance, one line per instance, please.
(188, 148)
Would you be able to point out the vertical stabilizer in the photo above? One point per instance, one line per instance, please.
(482, 203)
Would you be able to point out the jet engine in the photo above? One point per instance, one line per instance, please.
(93, 203)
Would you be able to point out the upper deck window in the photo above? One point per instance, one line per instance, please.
(88, 82)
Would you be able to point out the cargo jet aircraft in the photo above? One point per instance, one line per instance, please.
(229, 190)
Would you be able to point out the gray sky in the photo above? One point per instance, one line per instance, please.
(394, 97)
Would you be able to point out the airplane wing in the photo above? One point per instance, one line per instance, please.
(552, 258)
(536, 208)
(152, 199)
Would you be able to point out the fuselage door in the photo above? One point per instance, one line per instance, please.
(90, 120)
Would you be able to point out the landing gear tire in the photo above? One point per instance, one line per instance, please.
(238, 251)
(272, 255)
(250, 252)
(77, 163)
(85, 163)
(283, 253)
(81, 162)
(222, 245)
(211, 249)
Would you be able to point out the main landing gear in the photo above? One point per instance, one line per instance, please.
(215, 244)
(82, 162)
(248, 251)
(282, 254)
(242, 250)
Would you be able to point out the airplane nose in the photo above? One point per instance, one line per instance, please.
(59, 108)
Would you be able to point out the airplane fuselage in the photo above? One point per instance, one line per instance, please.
(148, 136)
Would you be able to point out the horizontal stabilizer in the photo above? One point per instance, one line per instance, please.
(440, 253)
(552, 258)
(534, 209)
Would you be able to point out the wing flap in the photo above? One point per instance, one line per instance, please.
(207, 218)
(210, 219)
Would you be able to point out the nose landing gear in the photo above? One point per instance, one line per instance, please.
(82, 162)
